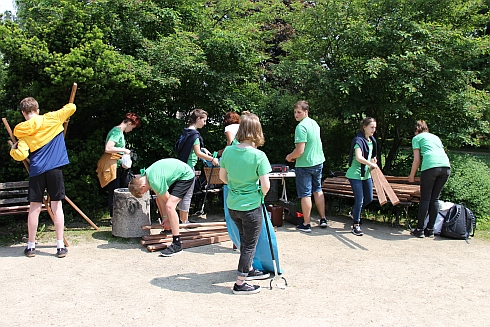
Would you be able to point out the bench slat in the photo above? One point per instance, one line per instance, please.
(14, 200)
(15, 185)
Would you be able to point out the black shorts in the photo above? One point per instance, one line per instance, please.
(51, 180)
(180, 188)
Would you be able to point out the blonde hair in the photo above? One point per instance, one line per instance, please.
(134, 186)
(250, 129)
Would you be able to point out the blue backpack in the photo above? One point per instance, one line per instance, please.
(459, 223)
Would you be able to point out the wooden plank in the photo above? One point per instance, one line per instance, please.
(378, 186)
(15, 185)
(13, 200)
(182, 238)
(186, 233)
(191, 225)
(190, 243)
(387, 188)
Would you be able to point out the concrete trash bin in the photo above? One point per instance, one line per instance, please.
(130, 213)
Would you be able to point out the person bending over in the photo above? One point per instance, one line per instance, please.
(170, 179)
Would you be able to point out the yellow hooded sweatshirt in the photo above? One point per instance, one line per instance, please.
(38, 131)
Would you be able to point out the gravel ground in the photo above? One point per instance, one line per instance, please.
(384, 278)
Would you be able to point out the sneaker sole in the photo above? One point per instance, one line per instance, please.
(30, 255)
(246, 292)
(305, 230)
(357, 234)
(264, 276)
(61, 255)
(323, 226)
(169, 255)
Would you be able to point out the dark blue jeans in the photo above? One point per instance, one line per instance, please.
(249, 224)
(363, 195)
(431, 183)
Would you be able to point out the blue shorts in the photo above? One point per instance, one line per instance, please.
(308, 180)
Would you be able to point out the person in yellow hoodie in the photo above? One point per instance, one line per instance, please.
(41, 139)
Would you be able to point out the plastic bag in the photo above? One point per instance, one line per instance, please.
(126, 161)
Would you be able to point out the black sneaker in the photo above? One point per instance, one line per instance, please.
(30, 252)
(246, 289)
(357, 230)
(172, 250)
(418, 233)
(323, 223)
(304, 228)
(429, 233)
(61, 253)
(255, 274)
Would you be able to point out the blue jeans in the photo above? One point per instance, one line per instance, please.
(431, 183)
(308, 180)
(363, 195)
(249, 224)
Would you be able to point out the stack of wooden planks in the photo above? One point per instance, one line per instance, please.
(191, 235)
(406, 192)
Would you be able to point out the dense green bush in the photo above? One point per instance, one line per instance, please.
(469, 184)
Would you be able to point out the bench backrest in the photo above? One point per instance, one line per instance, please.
(13, 197)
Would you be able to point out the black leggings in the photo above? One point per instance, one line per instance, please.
(117, 183)
(431, 183)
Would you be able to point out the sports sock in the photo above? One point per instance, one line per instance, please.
(31, 245)
(60, 244)
(176, 240)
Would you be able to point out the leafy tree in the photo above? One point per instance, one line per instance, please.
(397, 61)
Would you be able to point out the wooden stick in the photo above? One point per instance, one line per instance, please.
(378, 186)
(81, 213)
(182, 238)
(191, 225)
(26, 165)
(190, 243)
(72, 99)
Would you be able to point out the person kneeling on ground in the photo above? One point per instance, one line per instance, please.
(170, 179)
(242, 166)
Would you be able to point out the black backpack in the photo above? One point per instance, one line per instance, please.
(459, 223)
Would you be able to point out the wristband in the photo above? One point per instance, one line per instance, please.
(215, 154)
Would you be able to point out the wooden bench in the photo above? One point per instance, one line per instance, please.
(339, 188)
(13, 198)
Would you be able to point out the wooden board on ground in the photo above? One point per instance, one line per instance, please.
(191, 225)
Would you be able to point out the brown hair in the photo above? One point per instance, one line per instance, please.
(250, 129)
(365, 122)
(134, 186)
(28, 105)
(302, 104)
(132, 118)
(232, 117)
(197, 113)
(421, 127)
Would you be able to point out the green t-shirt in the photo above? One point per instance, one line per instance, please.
(308, 131)
(163, 173)
(431, 151)
(117, 136)
(192, 160)
(244, 167)
(354, 171)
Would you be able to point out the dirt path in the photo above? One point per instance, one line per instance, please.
(384, 278)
